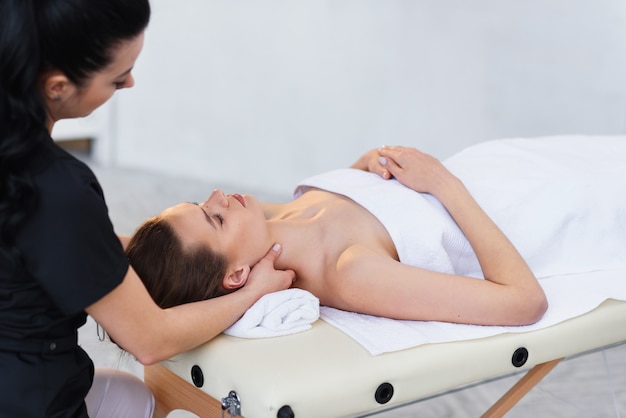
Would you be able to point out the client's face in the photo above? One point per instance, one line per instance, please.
(232, 225)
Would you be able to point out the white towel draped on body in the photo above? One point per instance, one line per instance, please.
(279, 313)
(560, 200)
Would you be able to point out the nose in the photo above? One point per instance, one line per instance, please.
(216, 198)
(129, 82)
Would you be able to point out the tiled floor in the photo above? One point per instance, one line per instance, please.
(591, 385)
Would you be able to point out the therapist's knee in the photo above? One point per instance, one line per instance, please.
(116, 393)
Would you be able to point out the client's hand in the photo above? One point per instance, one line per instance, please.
(264, 278)
(371, 161)
(416, 170)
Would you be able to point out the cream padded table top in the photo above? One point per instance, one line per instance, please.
(323, 372)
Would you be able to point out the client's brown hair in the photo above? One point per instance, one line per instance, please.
(174, 275)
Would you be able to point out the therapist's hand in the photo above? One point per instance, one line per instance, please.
(371, 161)
(264, 278)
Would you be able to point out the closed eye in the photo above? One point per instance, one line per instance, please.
(210, 218)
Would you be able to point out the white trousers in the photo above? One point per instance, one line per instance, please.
(118, 394)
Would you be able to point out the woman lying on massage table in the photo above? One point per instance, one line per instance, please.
(340, 251)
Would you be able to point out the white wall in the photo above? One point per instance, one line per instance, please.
(261, 94)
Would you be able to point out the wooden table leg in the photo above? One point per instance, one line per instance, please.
(172, 392)
(521, 388)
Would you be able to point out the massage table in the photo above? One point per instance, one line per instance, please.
(324, 373)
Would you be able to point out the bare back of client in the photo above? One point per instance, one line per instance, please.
(340, 252)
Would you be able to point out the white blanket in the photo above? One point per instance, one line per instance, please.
(561, 201)
(279, 313)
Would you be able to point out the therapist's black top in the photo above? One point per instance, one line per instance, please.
(71, 259)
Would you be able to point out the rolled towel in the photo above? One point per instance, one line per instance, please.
(279, 313)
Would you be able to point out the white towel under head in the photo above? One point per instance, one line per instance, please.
(278, 313)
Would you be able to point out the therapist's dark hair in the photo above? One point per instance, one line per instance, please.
(77, 37)
(174, 275)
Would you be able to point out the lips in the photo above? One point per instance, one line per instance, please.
(240, 199)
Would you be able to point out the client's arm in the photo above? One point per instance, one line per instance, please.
(500, 261)
(510, 295)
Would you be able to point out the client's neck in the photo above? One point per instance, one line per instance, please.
(295, 227)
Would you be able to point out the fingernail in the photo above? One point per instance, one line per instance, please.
(382, 160)
(276, 247)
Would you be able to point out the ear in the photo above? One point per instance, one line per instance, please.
(237, 278)
(56, 86)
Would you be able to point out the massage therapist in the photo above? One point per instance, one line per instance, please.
(59, 256)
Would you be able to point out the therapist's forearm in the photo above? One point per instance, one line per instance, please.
(124, 239)
(193, 324)
(153, 334)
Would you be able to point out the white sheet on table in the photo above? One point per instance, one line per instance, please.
(569, 296)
